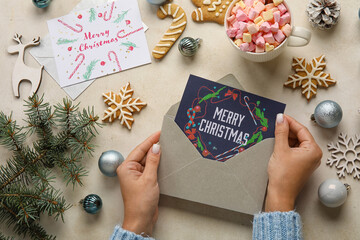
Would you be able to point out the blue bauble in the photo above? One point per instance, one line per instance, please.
(157, 2)
(41, 3)
(92, 203)
(109, 161)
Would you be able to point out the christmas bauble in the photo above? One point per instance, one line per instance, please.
(189, 46)
(327, 114)
(109, 162)
(157, 2)
(333, 193)
(41, 3)
(92, 203)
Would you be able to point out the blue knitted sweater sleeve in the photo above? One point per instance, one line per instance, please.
(277, 225)
(266, 226)
(121, 234)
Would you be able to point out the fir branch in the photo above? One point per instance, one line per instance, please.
(121, 16)
(129, 44)
(89, 69)
(61, 41)
(3, 237)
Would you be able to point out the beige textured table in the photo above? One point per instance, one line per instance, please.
(161, 84)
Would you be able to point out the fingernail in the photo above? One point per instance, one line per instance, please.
(156, 148)
(280, 118)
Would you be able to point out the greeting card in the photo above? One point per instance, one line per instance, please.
(98, 41)
(221, 121)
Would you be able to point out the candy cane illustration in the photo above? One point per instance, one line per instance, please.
(72, 28)
(191, 115)
(249, 109)
(77, 67)
(116, 59)
(111, 11)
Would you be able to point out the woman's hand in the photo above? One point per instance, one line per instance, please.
(139, 186)
(296, 156)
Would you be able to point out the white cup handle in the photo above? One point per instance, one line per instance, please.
(299, 37)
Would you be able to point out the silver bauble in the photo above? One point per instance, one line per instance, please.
(109, 162)
(333, 193)
(157, 2)
(189, 46)
(327, 114)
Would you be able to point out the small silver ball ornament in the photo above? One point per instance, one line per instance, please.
(109, 162)
(188, 46)
(327, 114)
(333, 193)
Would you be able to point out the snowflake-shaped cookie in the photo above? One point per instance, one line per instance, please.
(121, 106)
(309, 76)
(345, 154)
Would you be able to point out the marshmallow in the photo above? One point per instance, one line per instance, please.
(260, 41)
(231, 32)
(231, 19)
(277, 16)
(282, 8)
(259, 7)
(239, 35)
(249, 3)
(247, 37)
(252, 47)
(259, 49)
(269, 47)
(244, 47)
(242, 26)
(284, 19)
(238, 42)
(274, 28)
(269, 38)
(279, 36)
(253, 14)
(269, 6)
(241, 16)
(252, 28)
(268, 15)
(265, 27)
(286, 30)
(235, 9)
(258, 21)
(241, 4)
(277, 2)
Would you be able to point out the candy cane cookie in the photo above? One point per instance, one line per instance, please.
(210, 10)
(175, 30)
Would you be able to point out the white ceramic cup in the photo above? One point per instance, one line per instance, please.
(299, 37)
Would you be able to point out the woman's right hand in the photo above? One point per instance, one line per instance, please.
(296, 156)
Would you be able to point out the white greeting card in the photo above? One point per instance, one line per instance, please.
(98, 41)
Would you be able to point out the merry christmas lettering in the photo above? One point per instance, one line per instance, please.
(222, 131)
(105, 34)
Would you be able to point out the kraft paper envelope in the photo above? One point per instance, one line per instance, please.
(239, 184)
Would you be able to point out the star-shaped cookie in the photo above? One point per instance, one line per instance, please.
(309, 76)
(122, 105)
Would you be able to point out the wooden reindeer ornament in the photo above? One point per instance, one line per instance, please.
(22, 71)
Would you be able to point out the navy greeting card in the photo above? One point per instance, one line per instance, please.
(221, 121)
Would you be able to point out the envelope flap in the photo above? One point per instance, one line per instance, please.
(44, 50)
(229, 80)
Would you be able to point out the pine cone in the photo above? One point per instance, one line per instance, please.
(323, 14)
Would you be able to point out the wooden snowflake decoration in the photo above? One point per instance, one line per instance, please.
(309, 76)
(122, 105)
(345, 154)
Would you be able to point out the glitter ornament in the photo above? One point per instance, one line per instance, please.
(327, 114)
(109, 161)
(333, 193)
(41, 3)
(323, 14)
(156, 2)
(189, 46)
(92, 203)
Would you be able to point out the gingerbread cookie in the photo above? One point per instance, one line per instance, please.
(309, 76)
(175, 30)
(210, 10)
(121, 106)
